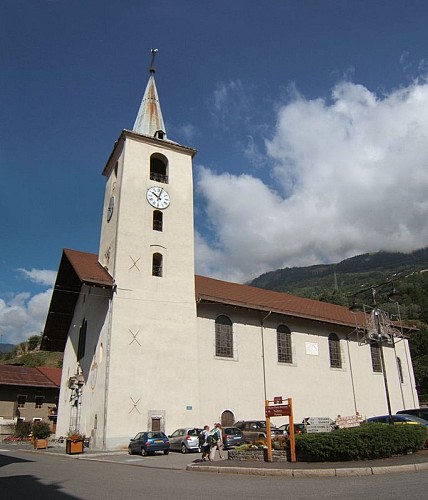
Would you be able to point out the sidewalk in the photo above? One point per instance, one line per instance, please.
(406, 463)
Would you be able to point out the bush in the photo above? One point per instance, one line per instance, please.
(22, 430)
(367, 442)
(41, 430)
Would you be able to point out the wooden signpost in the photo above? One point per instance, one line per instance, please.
(280, 407)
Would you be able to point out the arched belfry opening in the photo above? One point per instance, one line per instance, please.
(159, 168)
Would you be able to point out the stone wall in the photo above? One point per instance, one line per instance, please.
(257, 455)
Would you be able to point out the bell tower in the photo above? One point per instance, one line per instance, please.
(147, 245)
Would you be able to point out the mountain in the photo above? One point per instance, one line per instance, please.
(337, 282)
(6, 347)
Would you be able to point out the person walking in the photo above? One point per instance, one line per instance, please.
(220, 444)
(215, 438)
(205, 443)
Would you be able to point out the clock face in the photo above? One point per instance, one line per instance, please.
(158, 197)
(110, 209)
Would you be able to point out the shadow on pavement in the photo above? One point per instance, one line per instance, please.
(23, 487)
(6, 460)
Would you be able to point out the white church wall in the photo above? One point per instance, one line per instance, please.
(316, 388)
(153, 371)
(92, 305)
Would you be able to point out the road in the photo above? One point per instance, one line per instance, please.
(33, 475)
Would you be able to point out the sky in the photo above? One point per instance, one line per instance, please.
(310, 118)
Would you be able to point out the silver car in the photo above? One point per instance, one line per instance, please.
(185, 439)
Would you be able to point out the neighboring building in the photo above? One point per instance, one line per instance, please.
(28, 394)
(147, 345)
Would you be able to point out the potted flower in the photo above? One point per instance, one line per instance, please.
(74, 443)
(40, 431)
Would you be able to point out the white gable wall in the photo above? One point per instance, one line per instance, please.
(93, 305)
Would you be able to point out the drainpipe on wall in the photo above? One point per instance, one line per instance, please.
(263, 351)
(107, 373)
(409, 370)
(352, 375)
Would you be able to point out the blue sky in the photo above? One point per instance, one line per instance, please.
(310, 118)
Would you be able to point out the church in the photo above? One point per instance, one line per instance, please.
(149, 345)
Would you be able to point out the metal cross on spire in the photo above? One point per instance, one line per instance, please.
(152, 63)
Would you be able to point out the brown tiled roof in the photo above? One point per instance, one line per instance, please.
(53, 374)
(26, 376)
(76, 268)
(87, 268)
(212, 290)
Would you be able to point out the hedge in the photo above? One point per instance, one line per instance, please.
(369, 441)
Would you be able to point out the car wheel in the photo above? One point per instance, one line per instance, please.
(144, 452)
(165, 452)
(184, 448)
(129, 450)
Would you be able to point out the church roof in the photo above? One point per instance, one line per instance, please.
(212, 290)
(87, 268)
(78, 268)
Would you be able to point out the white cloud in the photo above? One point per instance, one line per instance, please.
(40, 276)
(350, 176)
(23, 315)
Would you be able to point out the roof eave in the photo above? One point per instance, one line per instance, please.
(253, 307)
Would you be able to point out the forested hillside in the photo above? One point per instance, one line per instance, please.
(28, 353)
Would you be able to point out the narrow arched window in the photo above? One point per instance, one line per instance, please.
(223, 337)
(157, 220)
(283, 344)
(375, 354)
(334, 350)
(400, 370)
(82, 340)
(159, 168)
(157, 264)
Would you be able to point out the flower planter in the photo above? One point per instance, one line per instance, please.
(73, 447)
(40, 444)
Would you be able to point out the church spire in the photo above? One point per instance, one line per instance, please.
(149, 119)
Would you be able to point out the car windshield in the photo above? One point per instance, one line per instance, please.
(155, 435)
(193, 432)
(413, 418)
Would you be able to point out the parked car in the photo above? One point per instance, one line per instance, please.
(185, 439)
(418, 412)
(298, 428)
(232, 436)
(256, 429)
(399, 419)
(147, 443)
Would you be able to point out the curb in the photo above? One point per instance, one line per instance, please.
(346, 471)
